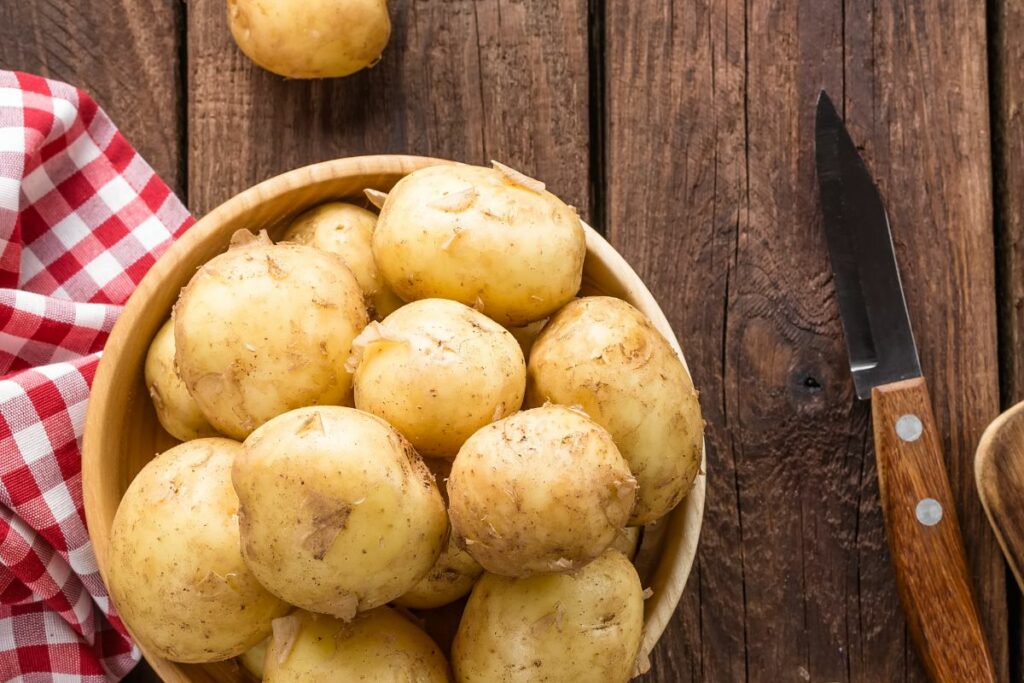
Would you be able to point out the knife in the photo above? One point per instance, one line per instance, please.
(917, 503)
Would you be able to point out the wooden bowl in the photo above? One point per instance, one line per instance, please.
(122, 433)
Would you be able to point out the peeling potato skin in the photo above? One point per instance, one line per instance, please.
(262, 329)
(542, 491)
(346, 230)
(310, 38)
(338, 512)
(455, 571)
(627, 540)
(604, 355)
(379, 646)
(442, 372)
(513, 252)
(559, 628)
(176, 573)
(176, 410)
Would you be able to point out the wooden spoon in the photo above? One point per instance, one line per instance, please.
(999, 471)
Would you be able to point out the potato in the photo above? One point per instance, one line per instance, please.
(379, 646)
(542, 491)
(346, 230)
(338, 513)
(451, 577)
(627, 540)
(455, 571)
(176, 410)
(438, 371)
(604, 355)
(176, 572)
(560, 628)
(263, 329)
(310, 38)
(527, 335)
(254, 658)
(490, 238)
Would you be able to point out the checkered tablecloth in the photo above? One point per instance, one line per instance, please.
(82, 218)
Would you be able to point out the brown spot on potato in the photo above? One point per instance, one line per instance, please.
(274, 269)
(324, 303)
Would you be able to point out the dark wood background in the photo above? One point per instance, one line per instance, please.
(684, 130)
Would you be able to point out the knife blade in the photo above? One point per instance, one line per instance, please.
(917, 502)
(879, 338)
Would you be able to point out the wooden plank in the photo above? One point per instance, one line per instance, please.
(1006, 53)
(472, 81)
(923, 111)
(125, 54)
(710, 103)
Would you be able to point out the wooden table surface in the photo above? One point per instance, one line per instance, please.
(684, 131)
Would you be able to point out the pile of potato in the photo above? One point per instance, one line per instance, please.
(364, 436)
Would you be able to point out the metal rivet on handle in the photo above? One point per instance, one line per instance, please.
(929, 511)
(909, 428)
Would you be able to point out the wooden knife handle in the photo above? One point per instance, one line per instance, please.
(924, 536)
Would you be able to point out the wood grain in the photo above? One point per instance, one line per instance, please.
(462, 79)
(707, 114)
(931, 571)
(922, 112)
(1006, 67)
(711, 195)
(124, 53)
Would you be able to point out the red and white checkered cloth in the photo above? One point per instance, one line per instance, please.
(82, 218)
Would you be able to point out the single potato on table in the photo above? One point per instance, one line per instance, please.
(310, 38)
(438, 371)
(455, 571)
(604, 355)
(379, 646)
(264, 328)
(346, 230)
(545, 490)
(176, 410)
(176, 572)
(338, 513)
(490, 238)
(584, 625)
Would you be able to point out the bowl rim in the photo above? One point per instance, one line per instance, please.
(691, 508)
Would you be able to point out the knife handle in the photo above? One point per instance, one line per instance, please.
(924, 536)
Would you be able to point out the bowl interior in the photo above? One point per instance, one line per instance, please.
(122, 433)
